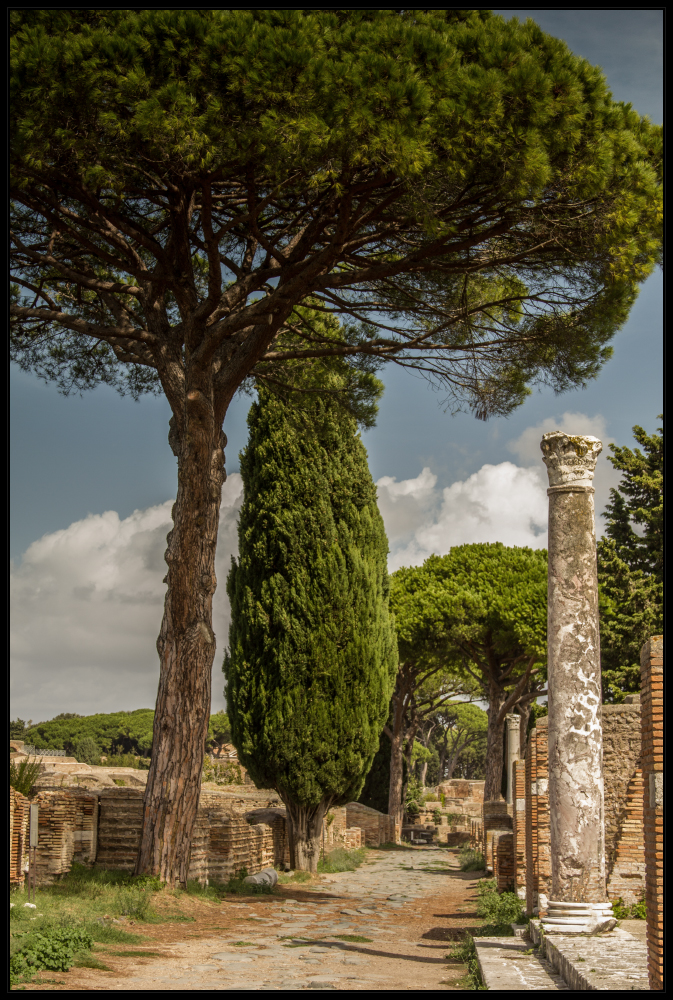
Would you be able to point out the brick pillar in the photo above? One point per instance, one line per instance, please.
(496, 821)
(652, 723)
(530, 777)
(519, 827)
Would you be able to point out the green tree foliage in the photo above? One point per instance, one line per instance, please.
(112, 733)
(17, 728)
(312, 652)
(489, 606)
(630, 563)
(22, 776)
(376, 788)
(461, 190)
(87, 751)
(458, 737)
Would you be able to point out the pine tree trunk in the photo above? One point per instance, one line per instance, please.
(305, 830)
(395, 795)
(186, 646)
(424, 771)
(494, 744)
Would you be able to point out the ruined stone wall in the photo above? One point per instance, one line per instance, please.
(466, 798)
(376, 827)
(537, 826)
(67, 832)
(652, 734)
(621, 760)
(19, 818)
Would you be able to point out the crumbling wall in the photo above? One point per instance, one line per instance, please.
(652, 730)
(377, 828)
(621, 760)
(19, 819)
(519, 827)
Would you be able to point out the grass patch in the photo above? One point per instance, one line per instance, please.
(470, 860)
(296, 878)
(244, 944)
(465, 953)
(341, 860)
(135, 954)
(355, 938)
(90, 962)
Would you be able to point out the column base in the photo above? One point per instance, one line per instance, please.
(578, 918)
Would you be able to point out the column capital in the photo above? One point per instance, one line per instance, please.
(570, 459)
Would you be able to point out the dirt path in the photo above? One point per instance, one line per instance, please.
(407, 904)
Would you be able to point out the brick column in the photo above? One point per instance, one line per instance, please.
(519, 827)
(652, 722)
(574, 674)
(530, 777)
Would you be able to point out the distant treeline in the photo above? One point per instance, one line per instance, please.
(114, 733)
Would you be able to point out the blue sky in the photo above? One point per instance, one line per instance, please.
(81, 467)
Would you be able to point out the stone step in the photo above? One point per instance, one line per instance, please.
(504, 965)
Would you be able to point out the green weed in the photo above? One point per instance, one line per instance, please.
(354, 938)
(23, 777)
(465, 953)
(624, 911)
(499, 909)
(341, 860)
(470, 860)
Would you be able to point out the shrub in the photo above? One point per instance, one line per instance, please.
(87, 751)
(53, 948)
(500, 909)
(452, 818)
(23, 777)
(134, 902)
(470, 860)
(222, 773)
(624, 911)
(413, 808)
(436, 817)
(430, 797)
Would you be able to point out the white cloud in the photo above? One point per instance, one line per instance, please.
(87, 604)
(527, 448)
(499, 503)
(87, 601)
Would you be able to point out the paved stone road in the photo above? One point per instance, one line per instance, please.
(408, 904)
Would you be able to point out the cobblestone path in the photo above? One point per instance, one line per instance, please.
(407, 904)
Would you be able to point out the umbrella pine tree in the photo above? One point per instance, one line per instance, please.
(312, 650)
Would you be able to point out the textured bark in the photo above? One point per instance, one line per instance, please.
(396, 792)
(574, 681)
(305, 830)
(494, 742)
(186, 646)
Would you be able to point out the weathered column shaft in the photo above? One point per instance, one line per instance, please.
(574, 681)
(511, 751)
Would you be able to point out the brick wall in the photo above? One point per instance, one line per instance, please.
(504, 865)
(519, 827)
(537, 828)
(497, 821)
(652, 729)
(19, 817)
(626, 871)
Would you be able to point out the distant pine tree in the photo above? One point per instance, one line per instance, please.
(312, 651)
(630, 565)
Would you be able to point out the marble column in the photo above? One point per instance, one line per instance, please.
(511, 751)
(574, 679)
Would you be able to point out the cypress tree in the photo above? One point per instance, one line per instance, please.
(312, 650)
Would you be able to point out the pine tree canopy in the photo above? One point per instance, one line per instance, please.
(631, 564)
(462, 189)
(312, 653)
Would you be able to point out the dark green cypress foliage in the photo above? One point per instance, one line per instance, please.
(312, 649)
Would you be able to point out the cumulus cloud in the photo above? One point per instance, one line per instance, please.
(499, 503)
(87, 601)
(87, 604)
(527, 448)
